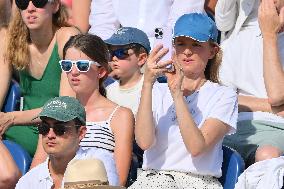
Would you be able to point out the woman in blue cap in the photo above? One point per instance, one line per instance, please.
(181, 125)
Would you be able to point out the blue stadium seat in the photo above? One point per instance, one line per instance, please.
(12, 100)
(21, 156)
(233, 165)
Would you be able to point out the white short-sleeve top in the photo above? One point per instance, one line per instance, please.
(168, 151)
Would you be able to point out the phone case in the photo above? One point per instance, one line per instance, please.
(164, 36)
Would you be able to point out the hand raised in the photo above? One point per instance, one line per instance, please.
(175, 80)
(154, 69)
(271, 20)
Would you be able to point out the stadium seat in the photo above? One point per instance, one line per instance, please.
(20, 155)
(233, 165)
(12, 100)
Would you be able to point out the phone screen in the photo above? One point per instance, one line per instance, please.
(164, 36)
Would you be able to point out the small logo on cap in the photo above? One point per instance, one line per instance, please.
(56, 104)
(121, 31)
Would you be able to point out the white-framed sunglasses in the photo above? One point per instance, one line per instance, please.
(82, 65)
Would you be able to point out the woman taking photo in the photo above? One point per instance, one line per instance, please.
(181, 125)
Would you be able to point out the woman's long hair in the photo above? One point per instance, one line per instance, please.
(95, 48)
(17, 52)
(213, 65)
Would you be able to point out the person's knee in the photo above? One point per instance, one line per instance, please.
(266, 152)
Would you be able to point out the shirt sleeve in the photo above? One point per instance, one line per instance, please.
(226, 14)
(181, 7)
(102, 19)
(225, 108)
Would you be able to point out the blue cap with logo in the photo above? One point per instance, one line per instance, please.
(197, 26)
(129, 35)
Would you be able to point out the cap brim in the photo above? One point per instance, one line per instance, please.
(57, 116)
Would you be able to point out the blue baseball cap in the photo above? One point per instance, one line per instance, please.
(129, 35)
(197, 26)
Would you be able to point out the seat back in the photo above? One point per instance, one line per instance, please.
(20, 155)
(12, 100)
(233, 165)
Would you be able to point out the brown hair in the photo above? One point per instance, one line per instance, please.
(17, 52)
(95, 48)
(213, 65)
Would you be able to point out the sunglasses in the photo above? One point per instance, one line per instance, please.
(58, 129)
(121, 53)
(82, 65)
(23, 4)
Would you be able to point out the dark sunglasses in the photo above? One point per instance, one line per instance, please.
(23, 4)
(121, 53)
(82, 65)
(58, 129)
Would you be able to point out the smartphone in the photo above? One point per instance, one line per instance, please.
(164, 36)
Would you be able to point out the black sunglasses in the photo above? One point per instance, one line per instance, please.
(121, 53)
(23, 4)
(58, 129)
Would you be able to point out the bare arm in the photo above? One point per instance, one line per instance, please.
(253, 104)
(226, 12)
(10, 173)
(270, 24)
(80, 14)
(198, 140)
(123, 125)
(5, 69)
(145, 127)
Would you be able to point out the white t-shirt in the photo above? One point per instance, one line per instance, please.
(242, 69)
(169, 151)
(108, 15)
(39, 177)
(129, 98)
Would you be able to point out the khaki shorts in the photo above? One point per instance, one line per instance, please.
(252, 134)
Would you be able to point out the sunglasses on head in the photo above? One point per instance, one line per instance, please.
(58, 129)
(82, 65)
(23, 4)
(121, 53)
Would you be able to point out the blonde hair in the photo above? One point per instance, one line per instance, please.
(213, 65)
(17, 52)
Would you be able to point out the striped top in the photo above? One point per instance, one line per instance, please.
(99, 134)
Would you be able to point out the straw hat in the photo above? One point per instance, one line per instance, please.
(86, 174)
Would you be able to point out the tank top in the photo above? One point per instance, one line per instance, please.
(99, 134)
(35, 93)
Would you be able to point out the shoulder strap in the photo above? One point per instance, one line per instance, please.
(113, 112)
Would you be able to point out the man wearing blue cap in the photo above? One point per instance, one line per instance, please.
(129, 48)
(63, 127)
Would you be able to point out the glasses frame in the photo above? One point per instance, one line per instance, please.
(55, 128)
(90, 62)
(113, 53)
(23, 4)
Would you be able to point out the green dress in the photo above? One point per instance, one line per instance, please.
(35, 93)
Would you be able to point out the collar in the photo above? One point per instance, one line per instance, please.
(45, 174)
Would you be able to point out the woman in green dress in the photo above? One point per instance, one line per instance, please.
(36, 37)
